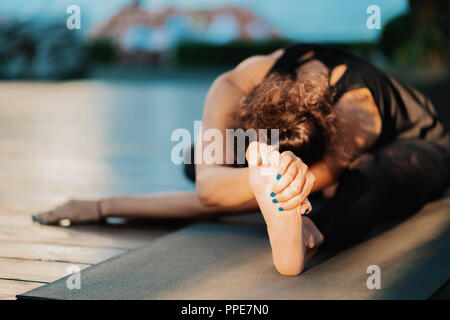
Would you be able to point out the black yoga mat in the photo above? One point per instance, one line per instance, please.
(232, 260)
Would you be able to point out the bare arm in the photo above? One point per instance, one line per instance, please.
(182, 204)
(218, 185)
(222, 189)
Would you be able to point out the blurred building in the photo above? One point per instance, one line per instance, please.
(140, 34)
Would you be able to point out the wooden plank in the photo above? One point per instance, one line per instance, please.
(114, 237)
(50, 252)
(16, 226)
(32, 270)
(40, 170)
(10, 288)
(15, 220)
(28, 205)
(121, 234)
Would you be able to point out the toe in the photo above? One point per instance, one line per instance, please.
(274, 158)
(253, 154)
(263, 150)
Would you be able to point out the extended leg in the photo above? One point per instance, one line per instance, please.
(394, 181)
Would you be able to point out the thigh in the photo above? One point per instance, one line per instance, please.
(356, 206)
(391, 182)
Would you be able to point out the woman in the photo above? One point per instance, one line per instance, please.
(374, 145)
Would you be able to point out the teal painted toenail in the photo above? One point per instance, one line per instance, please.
(274, 200)
(278, 176)
(33, 218)
(280, 209)
(272, 194)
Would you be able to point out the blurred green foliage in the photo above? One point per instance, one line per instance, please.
(420, 37)
(100, 50)
(200, 53)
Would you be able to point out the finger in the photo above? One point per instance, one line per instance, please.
(253, 156)
(295, 187)
(291, 203)
(305, 207)
(309, 184)
(39, 217)
(286, 178)
(48, 217)
(286, 159)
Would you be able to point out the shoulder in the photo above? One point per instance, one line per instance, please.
(252, 70)
(358, 125)
(357, 110)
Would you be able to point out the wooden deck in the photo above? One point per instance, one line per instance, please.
(86, 140)
(80, 140)
(32, 255)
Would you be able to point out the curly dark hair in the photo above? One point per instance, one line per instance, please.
(300, 108)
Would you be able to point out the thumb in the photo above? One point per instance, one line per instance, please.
(305, 207)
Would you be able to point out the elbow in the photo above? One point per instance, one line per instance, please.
(212, 199)
(211, 196)
(204, 194)
(205, 199)
(205, 188)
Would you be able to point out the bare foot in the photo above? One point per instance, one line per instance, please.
(284, 226)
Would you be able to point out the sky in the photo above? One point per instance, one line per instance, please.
(303, 20)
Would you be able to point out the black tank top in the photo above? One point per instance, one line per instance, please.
(405, 112)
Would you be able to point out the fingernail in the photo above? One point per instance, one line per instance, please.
(274, 200)
(272, 194)
(41, 222)
(33, 218)
(280, 209)
(278, 176)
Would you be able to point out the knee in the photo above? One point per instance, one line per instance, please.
(365, 172)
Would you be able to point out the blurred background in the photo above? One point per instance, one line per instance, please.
(88, 112)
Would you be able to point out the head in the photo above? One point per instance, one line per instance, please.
(300, 108)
